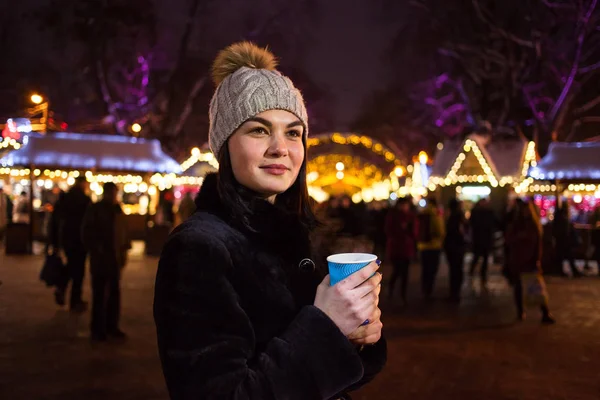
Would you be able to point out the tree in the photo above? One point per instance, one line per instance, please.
(141, 80)
(392, 120)
(183, 104)
(516, 64)
(116, 38)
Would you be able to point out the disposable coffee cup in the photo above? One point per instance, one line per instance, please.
(343, 265)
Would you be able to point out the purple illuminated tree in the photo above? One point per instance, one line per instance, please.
(155, 70)
(182, 103)
(111, 41)
(526, 65)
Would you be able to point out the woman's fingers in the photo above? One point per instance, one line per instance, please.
(359, 277)
(371, 285)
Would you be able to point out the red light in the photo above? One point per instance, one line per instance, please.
(63, 125)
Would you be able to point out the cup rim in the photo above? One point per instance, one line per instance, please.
(359, 258)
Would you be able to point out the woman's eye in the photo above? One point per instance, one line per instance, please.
(260, 131)
(295, 133)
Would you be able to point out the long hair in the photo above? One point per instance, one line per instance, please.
(238, 199)
(521, 219)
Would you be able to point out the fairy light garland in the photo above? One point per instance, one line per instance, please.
(199, 156)
(520, 183)
(9, 142)
(354, 140)
(322, 170)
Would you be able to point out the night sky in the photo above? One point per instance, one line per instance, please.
(347, 56)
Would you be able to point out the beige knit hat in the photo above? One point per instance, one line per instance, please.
(248, 84)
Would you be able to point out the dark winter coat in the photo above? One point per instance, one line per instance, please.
(483, 227)
(455, 233)
(564, 233)
(401, 230)
(234, 313)
(524, 241)
(70, 210)
(106, 238)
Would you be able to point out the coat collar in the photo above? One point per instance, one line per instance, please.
(270, 225)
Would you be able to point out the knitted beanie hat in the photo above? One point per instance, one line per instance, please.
(248, 84)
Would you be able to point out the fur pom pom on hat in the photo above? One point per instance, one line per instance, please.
(243, 54)
(248, 84)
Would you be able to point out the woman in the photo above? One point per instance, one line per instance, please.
(524, 241)
(565, 240)
(454, 247)
(401, 230)
(239, 310)
(595, 226)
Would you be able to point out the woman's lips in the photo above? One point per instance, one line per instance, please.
(275, 169)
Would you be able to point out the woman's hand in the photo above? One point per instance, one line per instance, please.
(368, 334)
(351, 301)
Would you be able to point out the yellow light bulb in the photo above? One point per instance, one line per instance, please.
(36, 98)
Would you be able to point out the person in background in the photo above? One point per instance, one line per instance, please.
(3, 212)
(595, 226)
(21, 209)
(524, 239)
(186, 207)
(66, 223)
(455, 246)
(165, 214)
(483, 227)
(565, 238)
(106, 237)
(401, 230)
(376, 221)
(431, 235)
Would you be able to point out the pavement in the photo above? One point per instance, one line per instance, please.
(475, 350)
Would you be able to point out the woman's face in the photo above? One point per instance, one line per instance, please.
(267, 152)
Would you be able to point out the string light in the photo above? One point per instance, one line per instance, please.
(166, 180)
(198, 156)
(488, 175)
(9, 142)
(354, 173)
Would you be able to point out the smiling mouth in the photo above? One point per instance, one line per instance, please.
(275, 169)
(280, 167)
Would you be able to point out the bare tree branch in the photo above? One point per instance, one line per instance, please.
(587, 106)
(187, 110)
(574, 68)
(589, 68)
(502, 32)
(550, 4)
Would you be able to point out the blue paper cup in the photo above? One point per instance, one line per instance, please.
(345, 264)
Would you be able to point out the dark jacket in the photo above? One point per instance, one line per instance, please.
(483, 227)
(455, 233)
(564, 232)
(54, 226)
(69, 211)
(401, 230)
(524, 241)
(234, 313)
(106, 238)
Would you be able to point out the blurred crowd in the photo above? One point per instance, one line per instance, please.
(403, 234)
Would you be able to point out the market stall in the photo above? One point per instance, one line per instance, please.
(568, 175)
(481, 166)
(570, 171)
(351, 164)
(53, 161)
